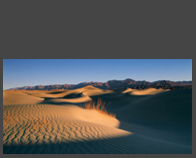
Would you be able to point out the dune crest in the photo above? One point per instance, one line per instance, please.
(128, 90)
(92, 91)
(149, 91)
(18, 97)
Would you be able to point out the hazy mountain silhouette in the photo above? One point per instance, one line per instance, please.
(116, 84)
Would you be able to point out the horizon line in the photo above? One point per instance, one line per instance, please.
(102, 82)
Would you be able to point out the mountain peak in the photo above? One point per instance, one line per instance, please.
(129, 79)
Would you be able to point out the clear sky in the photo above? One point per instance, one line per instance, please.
(31, 72)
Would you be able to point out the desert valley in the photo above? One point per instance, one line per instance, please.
(91, 120)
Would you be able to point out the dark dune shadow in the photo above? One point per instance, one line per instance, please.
(72, 95)
(174, 107)
(117, 100)
(56, 92)
(50, 102)
(170, 112)
(120, 145)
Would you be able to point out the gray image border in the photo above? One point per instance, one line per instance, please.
(20, 46)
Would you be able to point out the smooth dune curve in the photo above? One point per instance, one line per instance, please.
(150, 91)
(18, 97)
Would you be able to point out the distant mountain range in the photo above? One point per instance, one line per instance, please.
(115, 85)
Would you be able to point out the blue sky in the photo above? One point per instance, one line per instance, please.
(31, 72)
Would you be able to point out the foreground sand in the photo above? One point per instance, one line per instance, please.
(53, 122)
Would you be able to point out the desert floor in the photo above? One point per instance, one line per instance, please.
(53, 122)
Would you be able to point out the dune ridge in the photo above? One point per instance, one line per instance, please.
(149, 91)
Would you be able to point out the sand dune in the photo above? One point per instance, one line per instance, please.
(150, 91)
(147, 122)
(54, 96)
(92, 91)
(18, 97)
(128, 90)
(44, 124)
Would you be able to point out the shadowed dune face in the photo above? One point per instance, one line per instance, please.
(73, 95)
(172, 108)
(56, 92)
(169, 112)
(152, 121)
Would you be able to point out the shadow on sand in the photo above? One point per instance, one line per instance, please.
(131, 144)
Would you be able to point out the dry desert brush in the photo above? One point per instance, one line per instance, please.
(98, 105)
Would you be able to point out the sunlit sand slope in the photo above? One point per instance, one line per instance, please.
(19, 97)
(149, 91)
(49, 124)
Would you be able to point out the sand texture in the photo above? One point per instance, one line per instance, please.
(152, 121)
